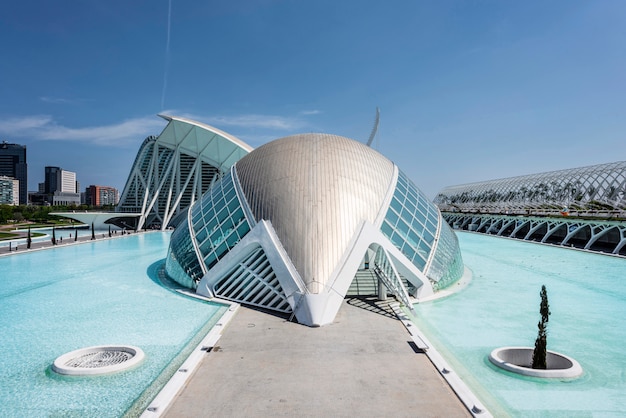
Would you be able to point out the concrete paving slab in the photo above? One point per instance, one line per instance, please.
(364, 364)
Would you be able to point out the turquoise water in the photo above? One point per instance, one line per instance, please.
(99, 293)
(500, 307)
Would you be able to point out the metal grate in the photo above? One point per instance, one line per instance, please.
(100, 359)
(103, 359)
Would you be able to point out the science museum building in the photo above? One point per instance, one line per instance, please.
(295, 225)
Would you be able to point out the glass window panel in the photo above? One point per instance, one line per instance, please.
(397, 240)
(408, 251)
(410, 206)
(422, 206)
(205, 247)
(230, 194)
(419, 261)
(413, 239)
(402, 227)
(201, 235)
(407, 216)
(386, 229)
(424, 249)
(233, 205)
(420, 217)
(238, 215)
(221, 250)
(228, 224)
(211, 225)
(395, 203)
(223, 214)
(392, 217)
(418, 222)
(243, 229)
(232, 239)
(211, 261)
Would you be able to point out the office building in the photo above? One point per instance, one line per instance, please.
(13, 164)
(9, 191)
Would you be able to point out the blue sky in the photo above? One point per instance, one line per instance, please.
(467, 90)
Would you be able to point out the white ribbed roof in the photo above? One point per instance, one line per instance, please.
(203, 141)
(316, 189)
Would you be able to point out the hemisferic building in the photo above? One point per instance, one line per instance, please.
(299, 223)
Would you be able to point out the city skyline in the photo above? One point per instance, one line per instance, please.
(467, 91)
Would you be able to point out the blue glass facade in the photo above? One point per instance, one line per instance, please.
(218, 223)
(411, 225)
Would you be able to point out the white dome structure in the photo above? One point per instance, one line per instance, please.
(291, 224)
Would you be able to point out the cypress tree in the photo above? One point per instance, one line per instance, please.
(541, 343)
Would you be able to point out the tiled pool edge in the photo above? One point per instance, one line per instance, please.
(467, 397)
(159, 405)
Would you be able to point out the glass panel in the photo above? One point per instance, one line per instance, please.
(232, 239)
(386, 229)
(392, 217)
(402, 227)
(408, 251)
(397, 240)
(223, 214)
(243, 229)
(396, 204)
(221, 250)
(201, 235)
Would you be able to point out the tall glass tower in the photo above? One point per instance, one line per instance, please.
(13, 164)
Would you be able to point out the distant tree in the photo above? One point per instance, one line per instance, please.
(93, 232)
(29, 240)
(75, 234)
(541, 343)
(6, 213)
(54, 238)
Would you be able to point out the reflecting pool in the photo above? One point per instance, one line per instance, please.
(500, 307)
(98, 293)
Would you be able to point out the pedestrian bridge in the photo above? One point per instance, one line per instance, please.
(608, 237)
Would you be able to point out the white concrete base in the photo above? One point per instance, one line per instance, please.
(471, 402)
(519, 360)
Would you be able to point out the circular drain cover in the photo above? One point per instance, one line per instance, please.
(101, 359)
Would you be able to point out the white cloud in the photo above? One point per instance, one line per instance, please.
(246, 121)
(258, 121)
(43, 127)
(56, 100)
(310, 112)
(12, 126)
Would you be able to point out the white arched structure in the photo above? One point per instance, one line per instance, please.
(101, 220)
(173, 170)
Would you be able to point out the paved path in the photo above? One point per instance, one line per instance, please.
(361, 365)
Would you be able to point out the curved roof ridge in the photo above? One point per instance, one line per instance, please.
(208, 127)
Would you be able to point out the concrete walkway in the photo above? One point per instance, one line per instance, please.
(361, 365)
(64, 236)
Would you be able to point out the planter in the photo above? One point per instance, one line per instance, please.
(519, 360)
